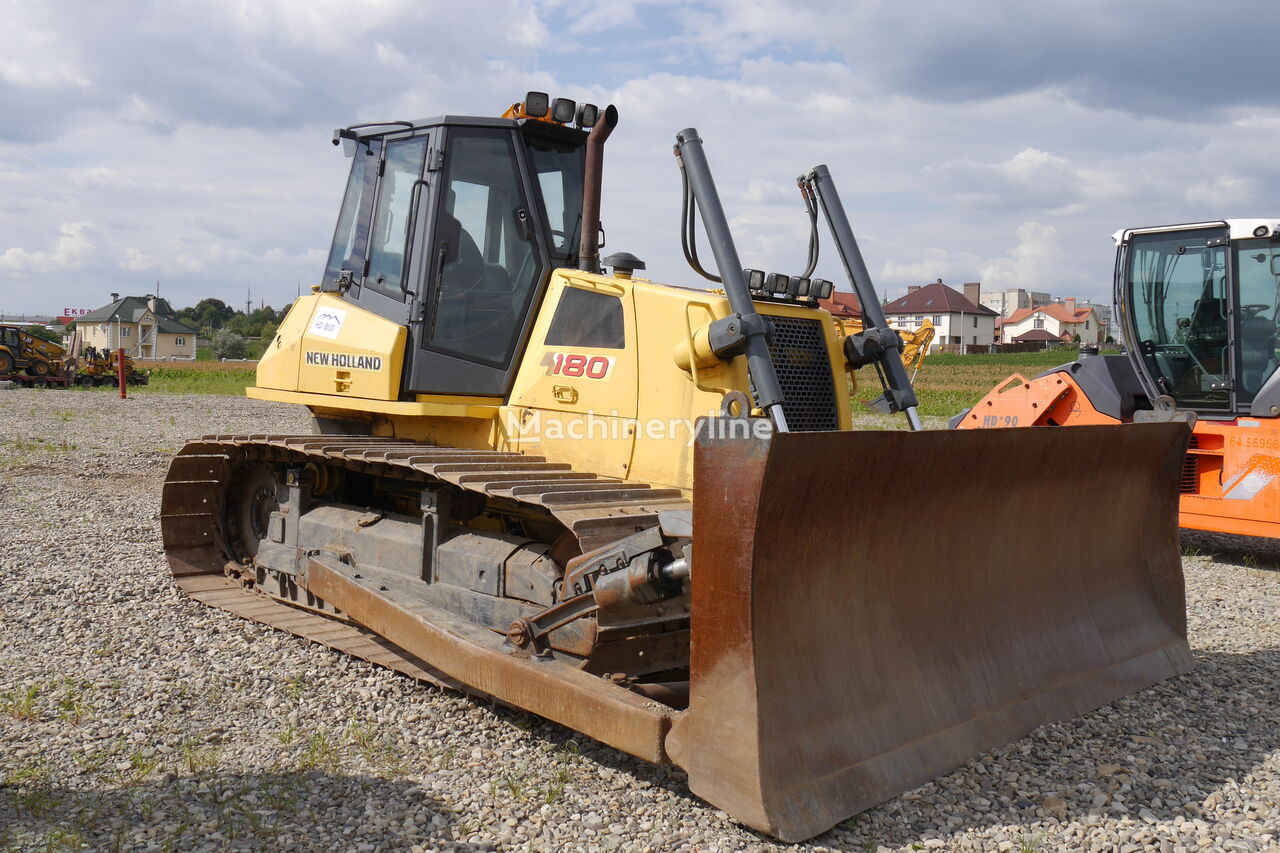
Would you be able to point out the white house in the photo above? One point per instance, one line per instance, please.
(958, 319)
(1063, 320)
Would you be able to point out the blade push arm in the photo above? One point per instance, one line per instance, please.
(876, 343)
(693, 160)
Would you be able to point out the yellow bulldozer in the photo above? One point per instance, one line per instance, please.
(640, 509)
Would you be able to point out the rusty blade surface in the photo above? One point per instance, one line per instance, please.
(873, 609)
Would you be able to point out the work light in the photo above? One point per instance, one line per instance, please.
(587, 115)
(799, 287)
(535, 104)
(778, 283)
(822, 289)
(563, 110)
(755, 280)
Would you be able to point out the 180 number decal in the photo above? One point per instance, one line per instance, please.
(577, 365)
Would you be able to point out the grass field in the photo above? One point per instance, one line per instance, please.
(198, 377)
(946, 384)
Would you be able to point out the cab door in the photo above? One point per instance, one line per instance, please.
(482, 267)
(1181, 316)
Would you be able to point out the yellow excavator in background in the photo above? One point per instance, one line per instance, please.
(24, 353)
(102, 366)
(629, 506)
(915, 346)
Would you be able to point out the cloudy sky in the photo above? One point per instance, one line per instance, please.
(187, 143)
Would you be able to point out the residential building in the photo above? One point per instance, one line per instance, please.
(1103, 310)
(843, 306)
(958, 319)
(1005, 302)
(143, 325)
(1060, 320)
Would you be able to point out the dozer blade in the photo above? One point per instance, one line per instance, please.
(854, 637)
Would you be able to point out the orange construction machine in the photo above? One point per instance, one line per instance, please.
(1198, 305)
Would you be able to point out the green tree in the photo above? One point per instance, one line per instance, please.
(227, 344)
(207, 312)
(241, 324)
(45, 334)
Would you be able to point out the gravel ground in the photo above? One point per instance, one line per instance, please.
(132, 719)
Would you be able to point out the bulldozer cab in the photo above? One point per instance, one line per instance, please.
(451, 227)
(1202, 311)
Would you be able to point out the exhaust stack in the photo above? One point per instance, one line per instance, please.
(588, 247)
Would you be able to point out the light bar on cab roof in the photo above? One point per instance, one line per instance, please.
(536, 104)
(563, 110)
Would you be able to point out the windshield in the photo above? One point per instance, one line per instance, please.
(352, 233)
(1178, 293)
(559, 168)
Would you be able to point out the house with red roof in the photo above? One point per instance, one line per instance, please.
(1057, 321)
(959, 319)
(843, 306)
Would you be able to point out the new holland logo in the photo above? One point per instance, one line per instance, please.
(342, 359)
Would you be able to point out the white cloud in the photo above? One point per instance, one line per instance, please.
(200, 141)
(136, 261)
(69, 251)
(1036, 259)
(1224, 193)
(929, 265)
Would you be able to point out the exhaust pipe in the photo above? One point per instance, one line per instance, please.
(588, 247)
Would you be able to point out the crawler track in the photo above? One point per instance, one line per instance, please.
(595, 510)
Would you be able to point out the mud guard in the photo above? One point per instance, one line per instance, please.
(853, 639)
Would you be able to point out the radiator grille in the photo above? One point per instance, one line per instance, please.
(1190, 482)
(804, 371)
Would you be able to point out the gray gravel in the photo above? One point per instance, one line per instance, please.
(132, 719)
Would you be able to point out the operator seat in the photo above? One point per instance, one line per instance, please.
(475, 295)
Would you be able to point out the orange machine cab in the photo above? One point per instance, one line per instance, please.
(1199, 304)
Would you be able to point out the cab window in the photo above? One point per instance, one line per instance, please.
(1178, 290)
(352, 233)
(390, 228)
(585, 318)
(559, 166)
(484, 253)
(1257, 264)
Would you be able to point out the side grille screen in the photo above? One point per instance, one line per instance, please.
(1190, 483)
(804, 371)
